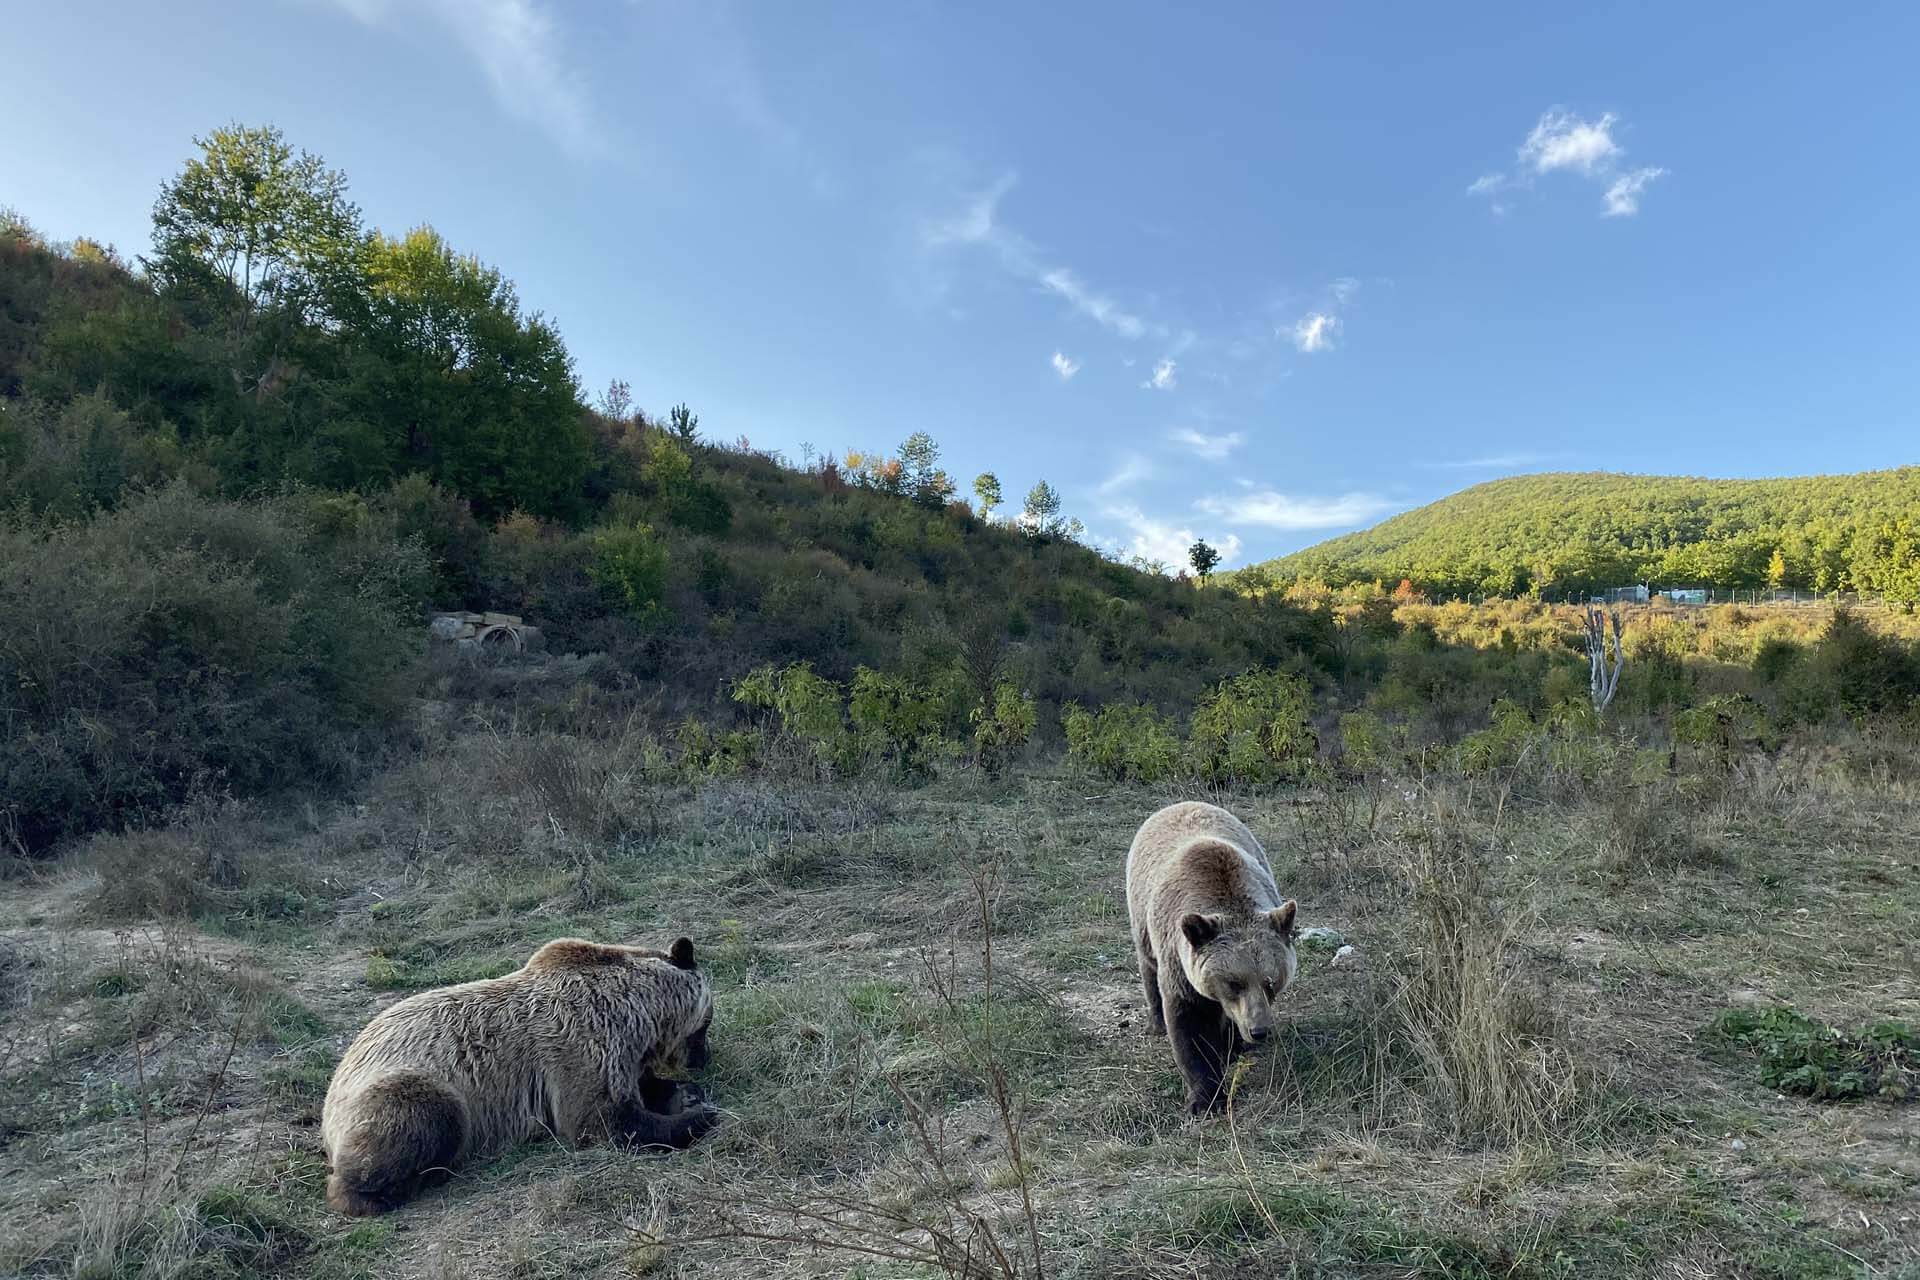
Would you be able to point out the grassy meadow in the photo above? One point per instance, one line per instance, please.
(1553, 1052)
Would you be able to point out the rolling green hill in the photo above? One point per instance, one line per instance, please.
(1579, 531)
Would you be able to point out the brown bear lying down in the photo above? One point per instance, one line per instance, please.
(1214, 938)
(576, 1044)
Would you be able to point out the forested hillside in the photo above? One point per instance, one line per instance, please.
(237, 475)
(1575, 532)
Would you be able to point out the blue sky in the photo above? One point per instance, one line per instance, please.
(1259, 274)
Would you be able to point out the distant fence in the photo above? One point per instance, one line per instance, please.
(1700, 597)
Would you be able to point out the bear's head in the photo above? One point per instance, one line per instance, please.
(1242, 964)
(683, 1045)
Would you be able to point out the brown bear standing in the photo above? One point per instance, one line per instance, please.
(572, 1044)
(1214, 938)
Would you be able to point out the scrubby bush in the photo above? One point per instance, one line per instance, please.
(1856, 670)
(629, 565)
(181, 646)
(1726, 723)
(1002, 728)
(1255, 728)
(1125, 741)
(898, 714)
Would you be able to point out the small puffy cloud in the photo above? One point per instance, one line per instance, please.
(1162, 377)
(1209, 448)
(1283, 511)
(1623, 197)
(1064, 366)
(1166, 542)
(1315, 330)
(1562, 140)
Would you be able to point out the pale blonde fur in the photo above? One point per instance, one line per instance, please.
(556, 1047)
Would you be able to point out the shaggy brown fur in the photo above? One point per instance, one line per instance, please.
(1214, 938)
(574, 1044)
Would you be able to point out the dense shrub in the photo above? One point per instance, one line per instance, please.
(1127, 742)
(630, 565)
(182, 646)
(1001, 728)
(1854, 669)
(901, 715)
(1255, 728)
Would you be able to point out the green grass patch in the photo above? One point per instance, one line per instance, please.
(1800, 1055)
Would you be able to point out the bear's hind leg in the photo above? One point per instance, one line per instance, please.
(410, 1131)
(1150, 983)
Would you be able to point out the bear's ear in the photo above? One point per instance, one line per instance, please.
(1199, 930)
(681, 953)
(1281, 917)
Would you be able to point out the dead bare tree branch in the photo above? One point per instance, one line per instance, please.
(1604, 666)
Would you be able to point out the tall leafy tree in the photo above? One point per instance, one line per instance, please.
(260, 238)
(462, 385)
(986, 487)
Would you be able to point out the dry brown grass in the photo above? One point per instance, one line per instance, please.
(1512, 1063)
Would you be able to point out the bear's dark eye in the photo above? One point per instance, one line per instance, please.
(1272, 986)
(1234, 988)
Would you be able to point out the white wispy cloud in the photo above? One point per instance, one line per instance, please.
(1274, 510)
(1064, 366)
(1166, 542)
(1494, 462)
(1562, 140)
(1314, 332)
(1623, 197)
(1132, 470)
(1162, 378)
(517, 48)
(1206, 447)
(978, 222)
(1096, 306)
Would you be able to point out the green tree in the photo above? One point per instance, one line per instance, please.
(986, 487)
(921, 476)
(1041, 516)
(1777, 570)
(1203, 558)
(260, 236)
(684, 423)
(463, 385)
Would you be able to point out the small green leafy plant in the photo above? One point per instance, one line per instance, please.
(1800, 1055)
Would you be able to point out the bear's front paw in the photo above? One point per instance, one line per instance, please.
(702, 1120)
(1206, 1104)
